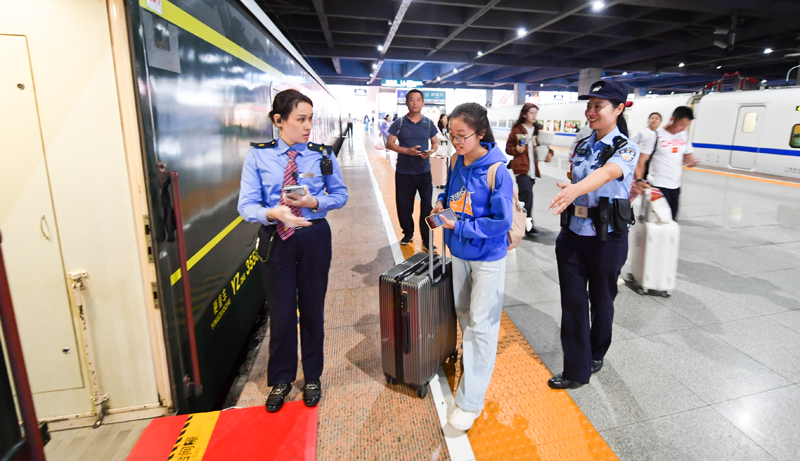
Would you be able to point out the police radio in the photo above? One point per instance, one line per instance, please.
(326, 164)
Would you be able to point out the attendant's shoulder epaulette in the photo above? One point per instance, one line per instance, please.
(263, 145)
(314, 147)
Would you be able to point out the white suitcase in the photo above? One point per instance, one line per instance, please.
(439, 167)
(654, 257)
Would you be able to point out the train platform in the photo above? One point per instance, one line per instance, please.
(712, 372)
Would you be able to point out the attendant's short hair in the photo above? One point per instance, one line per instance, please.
(683, 112)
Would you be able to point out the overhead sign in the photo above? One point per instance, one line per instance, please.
(393, 83)
(433, 97)
(360, 91)
(155, 5)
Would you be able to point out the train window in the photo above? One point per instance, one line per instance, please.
(502, 124)
(750, 121)
(794, 140)
(548, 125)
(556, 125)
(511, 122)
(493, 123)
(572, 126)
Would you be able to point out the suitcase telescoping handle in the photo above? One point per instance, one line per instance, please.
(431, 255)
(406, 329)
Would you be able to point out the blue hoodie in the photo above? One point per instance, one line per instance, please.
(481, 231)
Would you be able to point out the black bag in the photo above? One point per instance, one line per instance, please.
(621, 215)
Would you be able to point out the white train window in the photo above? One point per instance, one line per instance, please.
(794, 140)
(750, 122)
(493, 123)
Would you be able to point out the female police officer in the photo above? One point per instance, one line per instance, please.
(295, 240)
(593, 242)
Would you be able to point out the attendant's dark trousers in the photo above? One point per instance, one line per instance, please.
(525, 185)
(406, 188)
(585, 330)
(295, 277)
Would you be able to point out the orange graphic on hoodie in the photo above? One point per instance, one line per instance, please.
(461, 202)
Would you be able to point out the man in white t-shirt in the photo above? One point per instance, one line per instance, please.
(673, 150)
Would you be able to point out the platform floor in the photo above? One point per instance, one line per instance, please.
(711, 373)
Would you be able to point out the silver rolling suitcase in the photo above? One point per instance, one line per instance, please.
(418, 319)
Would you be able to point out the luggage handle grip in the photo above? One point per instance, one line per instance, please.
(406, 329)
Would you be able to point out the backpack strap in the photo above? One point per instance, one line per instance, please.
(400, 127)
(491, 175)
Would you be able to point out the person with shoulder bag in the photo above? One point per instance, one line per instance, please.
(478, 241)
(521, 144)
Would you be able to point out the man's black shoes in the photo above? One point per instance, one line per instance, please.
(560, 382)
(406, 240)
(276, 397)
(597, 365)
(312, 392)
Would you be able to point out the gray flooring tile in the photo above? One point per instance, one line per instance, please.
(790, 319)
(785, 279)
(710, 367)
(529, 287)
(645, 315)
(775, 234)
(772, 344)
(703, 305)
(756, 294)
(700, 434)
(631, 388)
(770, 419)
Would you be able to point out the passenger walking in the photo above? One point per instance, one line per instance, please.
(445, 147)
(349, 130)
(521, 144)
(646, 139)
(366, 123)
(294, 240)
(672, 152)
(385, 124)
(593, 243)
(478, 242)
(409, 136)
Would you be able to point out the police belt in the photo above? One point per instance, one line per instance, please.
(618, 214)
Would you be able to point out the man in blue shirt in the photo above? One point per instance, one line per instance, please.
(409, 137)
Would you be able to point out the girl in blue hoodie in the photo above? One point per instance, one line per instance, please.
(478, 241)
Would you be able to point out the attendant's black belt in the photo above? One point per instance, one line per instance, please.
(592, 213)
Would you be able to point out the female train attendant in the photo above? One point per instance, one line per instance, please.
(521, 145)
(478, 242)
(295, 240)
(593, 242)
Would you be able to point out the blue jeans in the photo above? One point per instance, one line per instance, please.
(478, 288)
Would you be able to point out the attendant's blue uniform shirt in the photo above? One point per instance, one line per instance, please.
(413, 134)
(262, 181)
(586, 161)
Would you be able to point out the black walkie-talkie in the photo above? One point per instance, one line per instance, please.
(326, 164)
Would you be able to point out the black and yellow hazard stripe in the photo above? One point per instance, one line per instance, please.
(194, 437)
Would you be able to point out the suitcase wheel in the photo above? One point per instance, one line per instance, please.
(390, 380)
(422, 391)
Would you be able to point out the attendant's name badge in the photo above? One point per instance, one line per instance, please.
(307, 175)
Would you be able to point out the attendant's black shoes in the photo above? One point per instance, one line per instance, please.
(560, 382)
(597, 365)
(312, 392)
(276, 397)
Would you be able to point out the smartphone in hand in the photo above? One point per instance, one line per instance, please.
(295, 190)
(435, 220)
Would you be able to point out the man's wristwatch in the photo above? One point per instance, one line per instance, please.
(640, 180)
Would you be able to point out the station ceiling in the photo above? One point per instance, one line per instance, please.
(661, 45)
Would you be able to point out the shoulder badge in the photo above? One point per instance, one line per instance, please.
(315, 147)
(263, 145)
(627, 154)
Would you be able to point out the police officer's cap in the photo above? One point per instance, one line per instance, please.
(608, 90)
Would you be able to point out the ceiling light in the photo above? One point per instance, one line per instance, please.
(374, 66)
(719, 67)
(520, 32)
(681, 65)
(649, 92)
(672, 92)
(455, 71)
(371, 75)
(721, 30)
(764, 81)
(720, 44)
(624, 73)
(438, 78)
(597, 6)
(480, 53)
(541, 84)
(767, 50)
(380, 47)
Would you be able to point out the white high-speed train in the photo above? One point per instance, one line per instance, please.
(755, 131)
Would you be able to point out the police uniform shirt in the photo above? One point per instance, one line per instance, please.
(586, 161)
(262, 180)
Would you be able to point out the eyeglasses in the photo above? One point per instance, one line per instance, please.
(460, 138)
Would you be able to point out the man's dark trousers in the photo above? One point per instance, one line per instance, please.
(672, 198)
(406, 188)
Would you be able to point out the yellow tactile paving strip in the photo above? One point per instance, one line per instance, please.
(523, 418)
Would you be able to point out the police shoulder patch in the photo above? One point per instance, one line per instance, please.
(627, 154)
(315, 147)
(262, 145)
